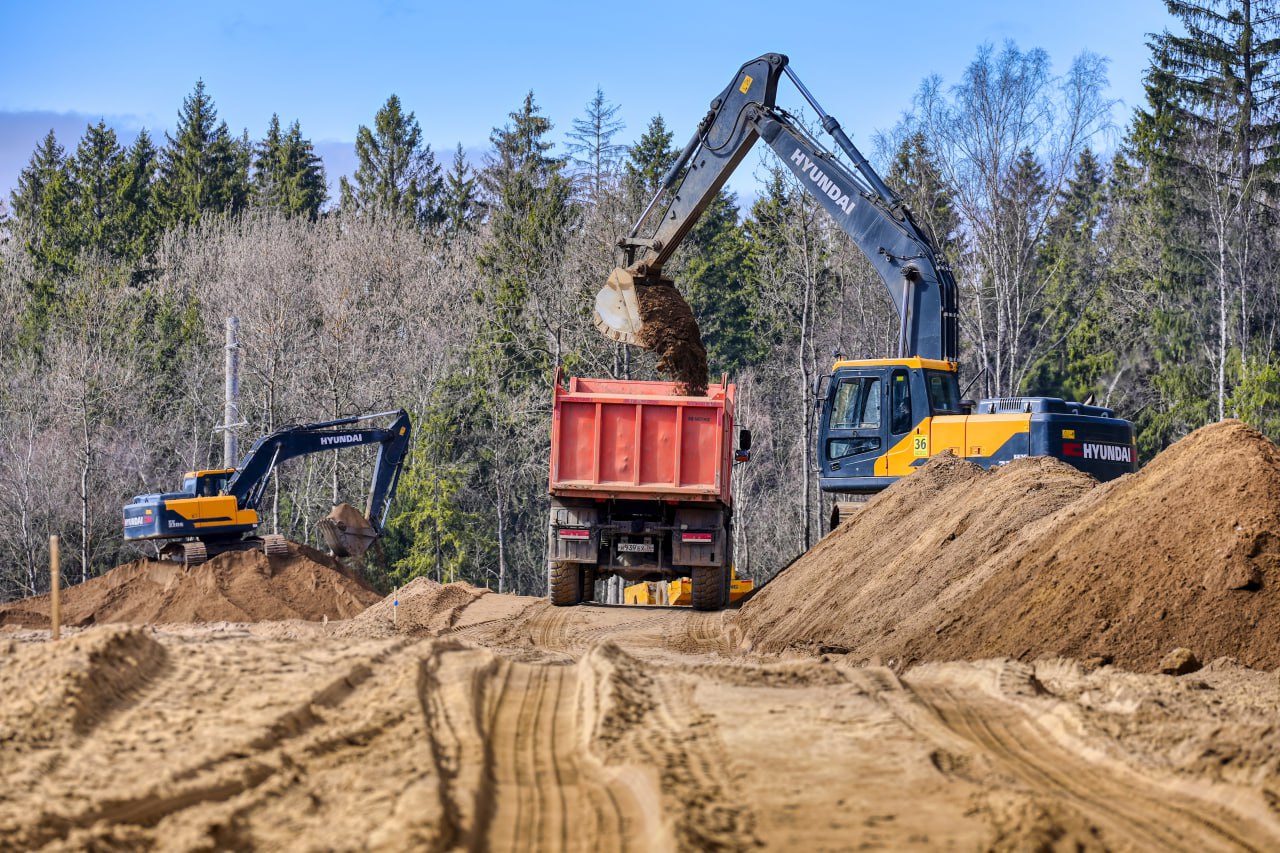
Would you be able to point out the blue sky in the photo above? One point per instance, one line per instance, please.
(463, 66)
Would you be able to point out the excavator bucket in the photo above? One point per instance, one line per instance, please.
(617, 313)
(346, 531)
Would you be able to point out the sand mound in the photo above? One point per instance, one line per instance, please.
(671, 331)
(909, 560)
(1184, 553)
(1029, 561)
(425, 608)
(238, 586)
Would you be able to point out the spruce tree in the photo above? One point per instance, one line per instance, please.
(397, 173)
(139, 220)
(42, 208)
(591, 148)
(287, 173)
(650, 158)
(97, 169)
(203, 169)
(460, 202)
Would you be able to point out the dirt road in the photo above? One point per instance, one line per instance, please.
(479, 721)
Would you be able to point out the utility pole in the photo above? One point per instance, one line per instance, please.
(231, 399)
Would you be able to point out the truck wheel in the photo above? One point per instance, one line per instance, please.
(564, 584)
(588, 583)
(709, 588)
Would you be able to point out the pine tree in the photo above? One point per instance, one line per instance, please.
(591, 148)
(397, 173)
(287, 173)
(203, 169)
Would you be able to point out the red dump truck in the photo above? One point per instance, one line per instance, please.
(640, 487)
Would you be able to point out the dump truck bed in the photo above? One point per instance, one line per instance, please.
(613, 438)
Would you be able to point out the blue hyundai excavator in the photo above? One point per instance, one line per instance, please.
(881, 418)
(217, 510)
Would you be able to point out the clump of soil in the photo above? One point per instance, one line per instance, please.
(1032, 561)
(671, 331)
(238, 586)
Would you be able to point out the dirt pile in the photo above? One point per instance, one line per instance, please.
(909, 561)
(1031, 561)
(238, 586)
(1184, 553)
(422, 607)
(671, 331)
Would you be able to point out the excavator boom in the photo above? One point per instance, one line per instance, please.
(919, 282)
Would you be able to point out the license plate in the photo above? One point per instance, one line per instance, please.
(636, 547)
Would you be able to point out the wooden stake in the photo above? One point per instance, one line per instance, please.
(55, 581)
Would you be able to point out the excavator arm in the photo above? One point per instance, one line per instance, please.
(919, 281)
(255, 469)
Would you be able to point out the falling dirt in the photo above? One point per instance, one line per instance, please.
(447, 717)
(671, 331)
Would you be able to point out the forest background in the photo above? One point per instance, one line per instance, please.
(1145, 279)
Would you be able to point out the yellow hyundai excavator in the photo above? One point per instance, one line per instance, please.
(881, 418)
(217, 510)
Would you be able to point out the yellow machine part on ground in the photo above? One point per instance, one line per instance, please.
(679, 592)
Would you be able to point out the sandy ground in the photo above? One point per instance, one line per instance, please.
(469, 720)
(992, 681)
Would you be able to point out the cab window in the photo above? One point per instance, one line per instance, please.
(944, 392)
(856, 404)
(900, 402)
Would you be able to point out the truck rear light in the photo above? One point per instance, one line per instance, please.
(696, 538)
(574, 533)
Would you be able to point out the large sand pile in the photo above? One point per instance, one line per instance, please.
(1031, 560)
(238, 586)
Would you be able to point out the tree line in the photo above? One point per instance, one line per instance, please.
(454, 290)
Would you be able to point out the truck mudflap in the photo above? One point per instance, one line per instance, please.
(699, 538)
(573, 536)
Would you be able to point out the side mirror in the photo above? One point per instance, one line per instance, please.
(744, 439)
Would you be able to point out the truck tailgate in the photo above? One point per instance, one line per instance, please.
(639, 439)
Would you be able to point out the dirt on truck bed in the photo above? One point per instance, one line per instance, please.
(449, 717)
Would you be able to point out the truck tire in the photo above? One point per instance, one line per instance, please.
(564, 584)
(588, 583)
(710, 591)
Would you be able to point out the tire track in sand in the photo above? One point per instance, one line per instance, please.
(1117, 806)
(509, 755)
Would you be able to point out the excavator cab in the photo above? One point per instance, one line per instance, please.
(876, 418)
(207, 484)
